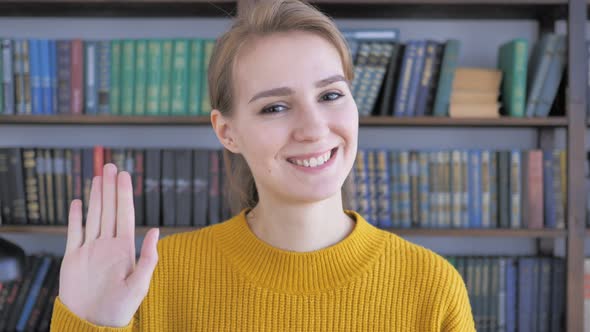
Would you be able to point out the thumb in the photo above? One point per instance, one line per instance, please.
(139, 280)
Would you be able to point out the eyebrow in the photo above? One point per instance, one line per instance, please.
(285, 91)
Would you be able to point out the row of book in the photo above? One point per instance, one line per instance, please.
(515, 293)
(119, 77)
(171, 187)
(422, 77)
(461, 188)
(506, 293)
(400, 189)
(26, 304)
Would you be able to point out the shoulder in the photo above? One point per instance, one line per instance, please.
(195, 243)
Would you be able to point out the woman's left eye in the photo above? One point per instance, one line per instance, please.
(330, 96)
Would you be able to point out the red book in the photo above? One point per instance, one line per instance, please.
(532, 206)
(77, 78)
(98, 160)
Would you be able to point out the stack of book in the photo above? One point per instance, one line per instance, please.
(475, 93)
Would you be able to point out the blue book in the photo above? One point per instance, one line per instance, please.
(447, 75)
(426, 77)
(401, 95)
(548, 194)
(433, 166)
(537, 71)
(553, 78)
(526, 290)
(396, 191)
(53, 76)
(415, 78)
(383, 189)
(424, 189)
(511, 294)
(35, 72)
(90, 77)
(45, 76)
(33, 292)
(557, 294)
(544, 294)
(515, 189)
(404, 174)
(474, 188)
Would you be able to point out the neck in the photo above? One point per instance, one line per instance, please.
(300, 227)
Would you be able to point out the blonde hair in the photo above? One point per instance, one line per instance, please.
(263, 18)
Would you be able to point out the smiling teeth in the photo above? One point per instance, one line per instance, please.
(314, 162)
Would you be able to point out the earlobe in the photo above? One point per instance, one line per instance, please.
(222, 127)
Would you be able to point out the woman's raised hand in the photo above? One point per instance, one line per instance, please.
(99, 280)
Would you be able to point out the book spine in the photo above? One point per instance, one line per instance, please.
(205, 98)
(45, 77)
(549, 193)
(138, 186)
(424, 180)
(434, 187)
(90, 64)
(36, 89)
(152, 186)
(19, 83)
(538, 72)
(417, 68)
(166, 81)
(128, 59)
(31, 186)
(426, 77)
(394, 184)
(7, 77)
(141, 53)
(77, 77)
(515, 189)
(40, 171)
(33, 292)
(104, 77)
(414, 190)
(183, 165)
(19, 207)
(553, 78)
(64, 79)
(383, 189)
(180, 71)
(372, 186)
(115, 92)
(53, 75)
(520, 71)
(456, 189)
(154, 77)
(401, 96)
(26, 78)
(214, 190)
(447, 75)
(195, 73)
(59, 184)
(200, 187)
(405, 205)
(485, 189)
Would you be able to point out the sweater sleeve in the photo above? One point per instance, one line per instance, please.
(63, 320)
(458, 316)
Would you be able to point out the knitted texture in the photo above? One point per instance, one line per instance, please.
(224, 278)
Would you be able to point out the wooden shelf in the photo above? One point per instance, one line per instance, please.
(204, 120)
(519, 233)
(119, 8)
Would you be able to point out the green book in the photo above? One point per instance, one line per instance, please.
(115, 95)
(165, 82)
(513, 61)
(140, 76)
(180, 73)
(447, 75)
(205, 101)
(127, 77)
(196, 72)
(154, 76)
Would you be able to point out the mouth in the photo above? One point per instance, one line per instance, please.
(315, 161)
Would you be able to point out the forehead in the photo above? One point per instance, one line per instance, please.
(291, 59)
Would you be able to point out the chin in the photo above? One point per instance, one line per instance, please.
(314, 193)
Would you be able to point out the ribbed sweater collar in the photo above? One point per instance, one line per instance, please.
(300, 272)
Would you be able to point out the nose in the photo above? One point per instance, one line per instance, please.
(311, 124)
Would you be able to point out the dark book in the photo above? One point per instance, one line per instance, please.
(183, 165)
(87, 176)
(153, 170)
(558, 291)
(76, 174)
(64, 79)
(426, 79)
(504, 188)
(33, 293)
(168, 188)
(435, 76)
(390, 81)
(60, 186)
(40, 172)
(17, 307)
(44, 294)
(19, 211)
(223, 178)
(200, 189)
(213, 210)
(5, 291)
(15, 289)
(69, 180)
(118, 158)
(47, 311)
(5, 189)
(138, 185)
(49, 187)
(31, 186)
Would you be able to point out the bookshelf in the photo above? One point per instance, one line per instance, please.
(545, 12)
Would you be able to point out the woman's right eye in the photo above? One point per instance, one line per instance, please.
(273, 109)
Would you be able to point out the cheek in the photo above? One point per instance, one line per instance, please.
(259, 144)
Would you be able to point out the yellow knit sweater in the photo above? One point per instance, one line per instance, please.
(223, 278)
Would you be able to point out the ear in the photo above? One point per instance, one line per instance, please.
(223, 129)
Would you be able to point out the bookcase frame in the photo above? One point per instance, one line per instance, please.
(544, 11)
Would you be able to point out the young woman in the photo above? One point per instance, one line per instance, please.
(292, 259)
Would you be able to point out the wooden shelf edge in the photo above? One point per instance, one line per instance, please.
(374, 121)
(520, 233)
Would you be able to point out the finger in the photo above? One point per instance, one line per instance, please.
(125, 210)
(94, 210)
(75, 235)
(109, 201)
(139, 280)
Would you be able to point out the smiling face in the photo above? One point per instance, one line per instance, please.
(294, 118)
